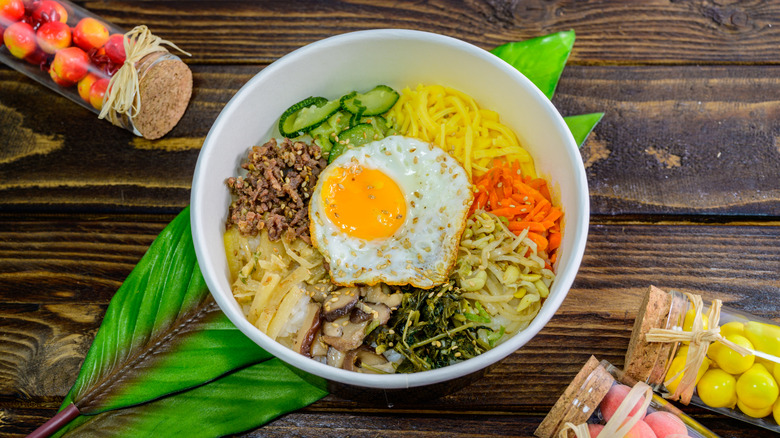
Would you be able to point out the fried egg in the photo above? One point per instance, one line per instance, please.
(391, 211)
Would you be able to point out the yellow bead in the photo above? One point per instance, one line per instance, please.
(717, 389)
(776, 373)
(731, 361)
(712, 350)
(676, 367)
(769, 365)
(689, 317)
(766, 337)
(732, 328)
(757, 389)
(755, 413)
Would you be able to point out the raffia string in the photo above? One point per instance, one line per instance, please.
(699, 339)
(622, 421)
(122, 95)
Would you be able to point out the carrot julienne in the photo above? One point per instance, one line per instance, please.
(524, 201)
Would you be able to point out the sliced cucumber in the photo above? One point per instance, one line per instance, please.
(306, 115)
(379, 123)
(353, 137)
(324, 134)
(377, 101)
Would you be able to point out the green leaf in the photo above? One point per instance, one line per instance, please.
(234, 403)
(582, 125)
(162, 332)
(540, 59)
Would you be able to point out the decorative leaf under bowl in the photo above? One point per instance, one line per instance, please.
(542, 60)
(235, 403)
(162, 334)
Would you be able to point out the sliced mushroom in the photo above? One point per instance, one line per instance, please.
(318, 291)
(377, 294)
(361, 313)
(309, 330)
(351, 337)
(318, 348)
(365, 360)
(370, 311)
(339, 303)
(334, 328)
(335, 357)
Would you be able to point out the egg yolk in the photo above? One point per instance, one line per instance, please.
(364, 203)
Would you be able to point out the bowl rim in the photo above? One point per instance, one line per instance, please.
(563, 280)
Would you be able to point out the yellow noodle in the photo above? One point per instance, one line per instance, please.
(454, 121)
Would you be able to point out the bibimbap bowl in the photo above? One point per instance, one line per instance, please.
(359, 61)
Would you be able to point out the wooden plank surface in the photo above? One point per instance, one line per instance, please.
(609, 31)
(683, 176)
(82, 262)
(674, 140)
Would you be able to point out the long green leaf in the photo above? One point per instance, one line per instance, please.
(232, 404)
(540, 59)
(162, 332)
(581, 125)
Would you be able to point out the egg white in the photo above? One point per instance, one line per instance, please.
(423, 250)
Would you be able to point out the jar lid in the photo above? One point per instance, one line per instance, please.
(579, 400)
(165, 90)
(646, 361)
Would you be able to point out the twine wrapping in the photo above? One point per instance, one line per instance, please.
(699, 339)
(122, 95)
(622, 421)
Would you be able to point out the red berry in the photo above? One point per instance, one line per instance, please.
(115, 48)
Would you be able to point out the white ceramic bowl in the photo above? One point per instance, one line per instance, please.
(359, 61)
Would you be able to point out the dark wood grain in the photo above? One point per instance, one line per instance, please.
(85, 261)
(674, 140)
(683, 173)
(612, 31)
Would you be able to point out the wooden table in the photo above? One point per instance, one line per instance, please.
(683, 176)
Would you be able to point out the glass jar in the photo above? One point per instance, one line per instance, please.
(597, 399)
(742, 386)
(76, 53)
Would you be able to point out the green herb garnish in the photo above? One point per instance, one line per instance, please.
(434, 328)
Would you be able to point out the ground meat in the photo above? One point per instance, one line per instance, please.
(275, 192)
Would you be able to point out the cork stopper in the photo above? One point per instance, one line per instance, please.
(165, 89)
(646, 361)
(579, 400)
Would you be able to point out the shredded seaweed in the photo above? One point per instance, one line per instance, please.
(434, 328)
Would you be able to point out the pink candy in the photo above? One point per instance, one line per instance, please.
(657, 424)
(665, 424)
(614, 398)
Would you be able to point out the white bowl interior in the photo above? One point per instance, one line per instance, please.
(359, 61)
